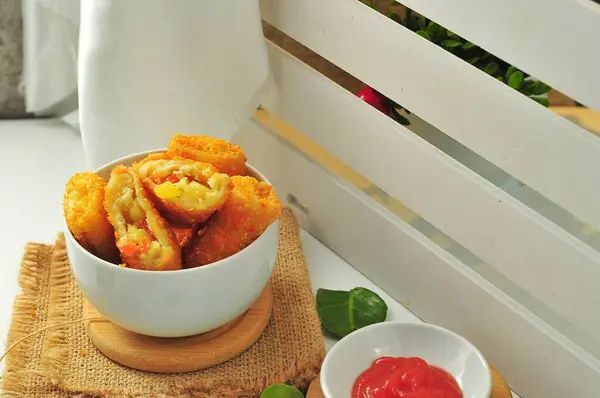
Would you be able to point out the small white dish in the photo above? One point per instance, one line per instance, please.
(439, 347)
(175, 303)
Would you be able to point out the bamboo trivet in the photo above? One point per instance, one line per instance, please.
(184, 354)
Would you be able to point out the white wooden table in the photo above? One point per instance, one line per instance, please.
(37, 158)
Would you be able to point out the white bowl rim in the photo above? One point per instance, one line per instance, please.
(391, 324)
(105, 263)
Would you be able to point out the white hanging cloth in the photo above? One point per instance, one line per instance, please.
(50, 49)
(149, 69)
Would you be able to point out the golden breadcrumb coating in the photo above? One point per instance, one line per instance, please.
(143, 236)
(184, 190)
(83, 207)
(251, 208)
(226, 157)
(155, 156)
(183, 234)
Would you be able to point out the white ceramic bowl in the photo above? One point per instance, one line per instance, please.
(439, 347)
(175, 303)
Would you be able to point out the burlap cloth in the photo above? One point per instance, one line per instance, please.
(62, 362)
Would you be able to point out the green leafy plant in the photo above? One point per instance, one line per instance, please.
(342, 312)
(476, 56)
(470, 53)
(281, 391)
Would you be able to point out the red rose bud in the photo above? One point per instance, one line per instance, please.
(373, 98)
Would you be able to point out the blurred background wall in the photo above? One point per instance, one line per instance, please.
(12, 104)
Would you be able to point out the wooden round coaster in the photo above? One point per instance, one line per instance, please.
(184, 354)
(499, 387)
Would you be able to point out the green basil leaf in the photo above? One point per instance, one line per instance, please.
(435, 30)
(451, 43)
(342, 312)
(491, 68)
(452, 35)
(538, 88)
(473, 60)
(424, 33)
(541, 100)
(333, 308)
(527, 87)
(422, 22)
(281, 391)
(510, 71)
(366, 308)
(468, 45)
(395, 17)
(516, 80)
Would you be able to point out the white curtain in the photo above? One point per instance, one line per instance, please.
(50, 44)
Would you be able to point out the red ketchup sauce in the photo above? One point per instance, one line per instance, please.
(390, 377)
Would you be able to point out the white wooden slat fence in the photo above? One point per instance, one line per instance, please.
(552, 40)
(556, 158)
(545, 151)
(483, 218)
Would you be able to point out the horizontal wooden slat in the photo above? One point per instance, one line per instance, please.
(553, 156)
(555, 41)
(537, 361)
(543, 259)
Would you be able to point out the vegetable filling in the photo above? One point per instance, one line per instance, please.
(137, 238)
(189, 186)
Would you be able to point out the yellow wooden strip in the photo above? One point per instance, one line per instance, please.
(332, 163)
(584, 117)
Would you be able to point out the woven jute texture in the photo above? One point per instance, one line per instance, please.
(62, 362)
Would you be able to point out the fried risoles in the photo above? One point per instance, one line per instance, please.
(183, 234)
(83, 206)
(251, 208)
(184, 190)
(226, 157)
(142, 235)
